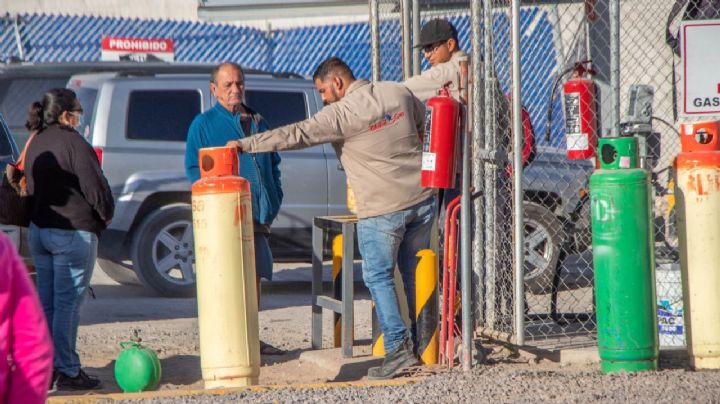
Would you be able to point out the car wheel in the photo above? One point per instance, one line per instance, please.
(543, 237)
(120, 273)
(583, 228)
(162, 251)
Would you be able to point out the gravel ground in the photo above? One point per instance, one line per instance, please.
(504, 383)
(170, 327)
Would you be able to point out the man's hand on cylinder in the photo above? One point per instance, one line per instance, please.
(236, 144)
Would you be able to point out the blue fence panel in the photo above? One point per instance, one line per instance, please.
(52, 38)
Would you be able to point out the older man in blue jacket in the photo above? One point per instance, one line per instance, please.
(231, 119)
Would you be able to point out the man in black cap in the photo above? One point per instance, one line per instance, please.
(439, 43)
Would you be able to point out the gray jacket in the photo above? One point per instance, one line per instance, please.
(374, 130)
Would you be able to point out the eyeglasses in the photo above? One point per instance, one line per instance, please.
(432, 47)
(76, 111)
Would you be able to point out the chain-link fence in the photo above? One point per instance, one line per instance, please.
(561, 41)
(558, 265)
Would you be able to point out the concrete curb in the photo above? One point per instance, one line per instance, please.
(89, 398)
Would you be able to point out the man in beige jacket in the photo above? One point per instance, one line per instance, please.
(374, 128)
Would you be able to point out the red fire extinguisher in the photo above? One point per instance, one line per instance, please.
(580, 113)
(442, 127)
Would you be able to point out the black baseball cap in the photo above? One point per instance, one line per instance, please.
(434, 31)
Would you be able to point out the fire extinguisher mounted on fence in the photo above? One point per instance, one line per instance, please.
(580, 107)
(442, 129)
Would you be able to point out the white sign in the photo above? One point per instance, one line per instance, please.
(700, 61)
(137, 49)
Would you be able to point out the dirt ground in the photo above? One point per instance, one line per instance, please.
(169, 326)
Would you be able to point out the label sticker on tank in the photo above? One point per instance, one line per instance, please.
(428, 161)
(428, 129)
(624, 161)
(577, 141)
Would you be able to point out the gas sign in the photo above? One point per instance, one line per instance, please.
(700, 61)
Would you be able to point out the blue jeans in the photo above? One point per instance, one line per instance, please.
(64, 261)
(386, 240)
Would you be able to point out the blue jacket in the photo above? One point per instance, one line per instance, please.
(216, 127)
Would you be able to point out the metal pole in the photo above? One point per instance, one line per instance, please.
(490, 170)
(416, 37)
(478, 142)
(18, 39)
(466, 276)
(375, 39)
(615, 63)
(406, 9)
(517, 177)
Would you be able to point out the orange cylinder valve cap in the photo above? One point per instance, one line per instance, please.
(218, 162)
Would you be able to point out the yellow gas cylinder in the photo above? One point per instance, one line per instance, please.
(697, 195)
(350, 196)
(225, 267)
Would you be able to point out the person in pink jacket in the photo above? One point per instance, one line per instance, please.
(26, 352)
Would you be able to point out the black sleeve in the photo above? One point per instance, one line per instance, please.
(93, 184)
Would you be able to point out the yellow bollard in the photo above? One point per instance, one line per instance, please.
(698, 212)
(337, 286)
(378, 349)
(426, 307)
(350, 199)
(225, 268)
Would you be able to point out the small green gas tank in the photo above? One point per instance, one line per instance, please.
(137, 368)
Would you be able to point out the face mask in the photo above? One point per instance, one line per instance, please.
(80, 124)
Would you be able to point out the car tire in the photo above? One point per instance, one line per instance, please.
(162, 251)
(120, 273)
(543, 238)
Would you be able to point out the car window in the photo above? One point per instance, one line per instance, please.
(16, 96)
(5, 147)
(279, 108)
(162, 114)
(86, 96)
(8, 151)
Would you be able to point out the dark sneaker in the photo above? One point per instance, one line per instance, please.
(82, 381)
(402, 357)
(53, 381)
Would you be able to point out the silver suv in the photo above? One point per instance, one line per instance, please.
(139, 125)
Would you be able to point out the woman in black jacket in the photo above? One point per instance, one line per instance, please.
(71, 205)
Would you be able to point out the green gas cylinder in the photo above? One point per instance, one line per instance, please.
(624, 263)
(137, 368)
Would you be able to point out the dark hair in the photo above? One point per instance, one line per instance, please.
(332, 65)
(216, 69)
(47, 111)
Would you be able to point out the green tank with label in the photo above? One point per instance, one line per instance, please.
(623, 258)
